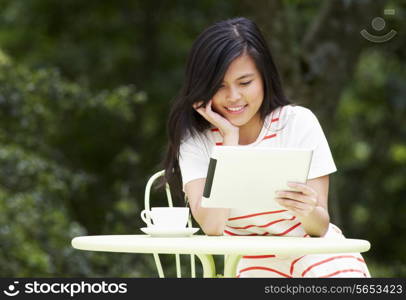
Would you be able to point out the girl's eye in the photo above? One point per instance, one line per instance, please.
(246, 83)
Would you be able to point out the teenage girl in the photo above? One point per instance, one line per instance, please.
(232, 95)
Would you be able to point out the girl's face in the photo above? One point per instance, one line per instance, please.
(241, 93)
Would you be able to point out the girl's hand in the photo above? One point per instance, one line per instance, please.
(225, 127)
(302, 202)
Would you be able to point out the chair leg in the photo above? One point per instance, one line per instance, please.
(230, 265)
(178, 269)
(159, 266)
(209, 268)
(192, 266)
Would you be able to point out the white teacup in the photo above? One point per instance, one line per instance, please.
(166, 217)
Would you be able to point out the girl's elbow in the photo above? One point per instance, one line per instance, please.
(214, 232)
(212, 229)
(323, 229)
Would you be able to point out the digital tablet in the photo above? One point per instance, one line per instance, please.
(248, 177)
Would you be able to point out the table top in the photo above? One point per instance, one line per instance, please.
(202, 244)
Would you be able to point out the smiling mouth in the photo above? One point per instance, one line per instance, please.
(236, 109)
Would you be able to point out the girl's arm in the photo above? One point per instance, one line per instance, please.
(309, 204)
(211, 220)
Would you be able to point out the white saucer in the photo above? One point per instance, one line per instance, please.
(169, 232)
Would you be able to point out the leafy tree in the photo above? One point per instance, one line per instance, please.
(84, 94)
(67, 166)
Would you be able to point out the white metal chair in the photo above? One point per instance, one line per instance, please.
(230, 261)
(170, 204)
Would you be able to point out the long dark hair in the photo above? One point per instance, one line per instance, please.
(211, 54)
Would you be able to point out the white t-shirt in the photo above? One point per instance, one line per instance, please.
(286, 127)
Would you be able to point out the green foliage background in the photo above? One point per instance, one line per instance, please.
(85, 89)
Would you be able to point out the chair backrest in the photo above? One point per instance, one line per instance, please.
(147, 206)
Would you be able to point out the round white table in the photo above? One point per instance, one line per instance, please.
(206, 246)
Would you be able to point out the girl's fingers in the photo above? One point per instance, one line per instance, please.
(304, 188)
(293, 203)
(212, 116)
(208, 108)
(298, 196)
(197, 105)
(296, 207)
(206, 111)
(200, 111)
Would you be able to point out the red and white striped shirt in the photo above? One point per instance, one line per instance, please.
(286, 127)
